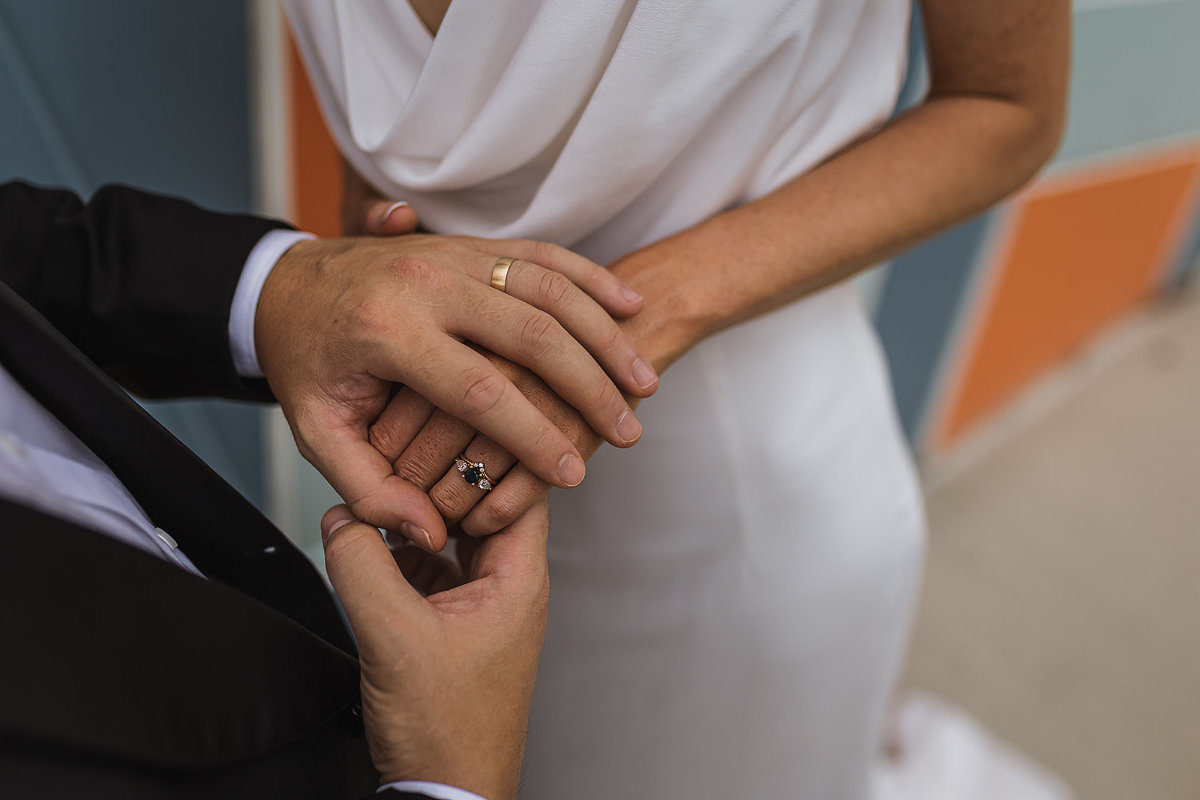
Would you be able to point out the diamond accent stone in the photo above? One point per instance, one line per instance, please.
(485, 484)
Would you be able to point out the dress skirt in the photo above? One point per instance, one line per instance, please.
(730, 599)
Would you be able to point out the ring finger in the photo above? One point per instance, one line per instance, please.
(466, 483)
(433, 450)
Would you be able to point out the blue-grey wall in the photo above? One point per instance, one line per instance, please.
(148, 93)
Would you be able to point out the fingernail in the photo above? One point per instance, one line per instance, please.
(628, 427)
(629, 294)
(418, 536)
(644, 374)
(387, 212)
(570, 470)
(327, 532)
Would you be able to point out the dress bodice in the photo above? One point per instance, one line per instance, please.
(601, 125)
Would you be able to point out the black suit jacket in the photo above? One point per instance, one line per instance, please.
(122, 676)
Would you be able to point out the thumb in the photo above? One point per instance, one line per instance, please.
(517, 554)
(363, 573)
(385, 218)
(364, 478)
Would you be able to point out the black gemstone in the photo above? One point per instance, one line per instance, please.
(471, 474)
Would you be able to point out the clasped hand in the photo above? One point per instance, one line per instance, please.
(386, 354)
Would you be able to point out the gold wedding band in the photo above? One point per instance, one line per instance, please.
(500, 273)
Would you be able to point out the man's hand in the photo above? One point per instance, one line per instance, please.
(446, 679)
(342, 323)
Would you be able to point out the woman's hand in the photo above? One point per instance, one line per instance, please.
(423, 444)
(365, 212)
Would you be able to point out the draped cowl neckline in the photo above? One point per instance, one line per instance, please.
(553, 118)
(487, 82)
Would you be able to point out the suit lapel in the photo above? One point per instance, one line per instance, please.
(117, 653)
(221, 531)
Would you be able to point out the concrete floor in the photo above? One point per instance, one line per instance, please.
(1062, 598)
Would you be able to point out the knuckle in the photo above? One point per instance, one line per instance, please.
(545, 253)
(484, 391)
(539, 334)
(546, 439)
(385, 438)
(608, 395)
(369, 313)
(614, 340)
(500, 512)
(449, 501)
(422, 462)
(556, 290)
(408, 270)
(410, 470)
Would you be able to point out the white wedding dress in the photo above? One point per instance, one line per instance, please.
(731, 597)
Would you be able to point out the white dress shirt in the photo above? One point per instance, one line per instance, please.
(45, 466)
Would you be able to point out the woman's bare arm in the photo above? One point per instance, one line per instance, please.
(993, 117)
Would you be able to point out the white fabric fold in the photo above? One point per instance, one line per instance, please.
(559, 120)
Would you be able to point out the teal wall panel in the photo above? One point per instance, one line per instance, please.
(143, 92)
(1136, 76)
(139, 91)
(919, 311)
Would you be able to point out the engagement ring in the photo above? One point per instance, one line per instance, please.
(474, 473)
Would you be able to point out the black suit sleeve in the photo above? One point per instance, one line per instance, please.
(141, 283)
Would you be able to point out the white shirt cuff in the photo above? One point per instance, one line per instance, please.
(259, 263)
(439, 790)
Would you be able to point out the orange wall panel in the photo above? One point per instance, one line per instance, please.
(316, 165)
(1079, 255)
